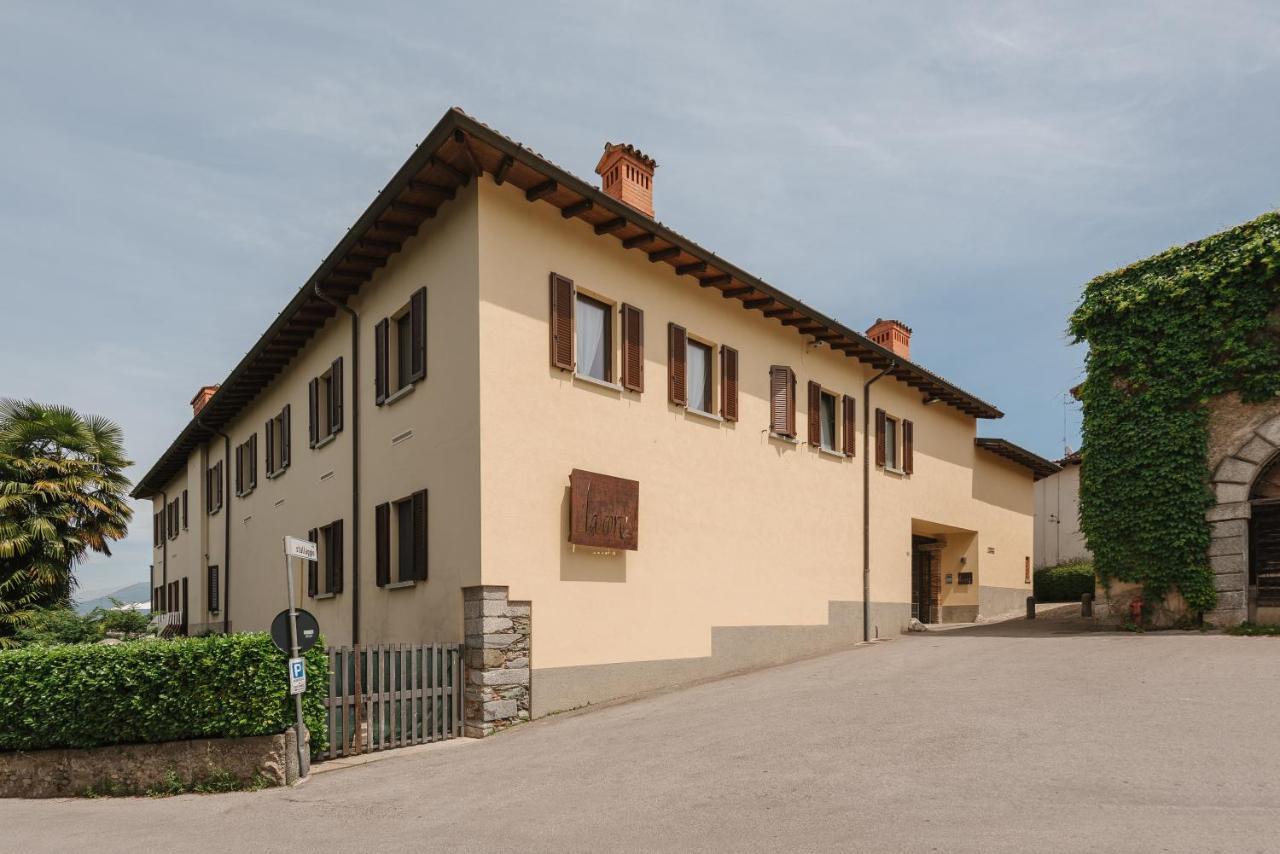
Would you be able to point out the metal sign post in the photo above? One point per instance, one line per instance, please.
(303, 550)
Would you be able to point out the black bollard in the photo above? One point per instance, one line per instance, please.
(1086, 605)
(1031, 607)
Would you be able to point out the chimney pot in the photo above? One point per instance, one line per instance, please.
(626, 173)
(202, 397)
(893, 335)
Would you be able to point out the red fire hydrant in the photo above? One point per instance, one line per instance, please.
(1135, 610)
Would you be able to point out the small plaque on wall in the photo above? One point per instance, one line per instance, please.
(604, 511)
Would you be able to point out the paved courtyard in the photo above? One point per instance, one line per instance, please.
(1010, 737)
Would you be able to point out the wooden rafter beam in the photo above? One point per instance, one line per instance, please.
(504, 166)
(385, 246)
(537, 191)
(611, 225)
(757, 303)
(570, 211)
(453, 171)
(713, 281)
(794, 321)
(664, 254)
(396, 228)
(410, 208)
(690, 269)
(445, 190)
(778, 312)
(740, 291)
(464, 142)
(637, 240)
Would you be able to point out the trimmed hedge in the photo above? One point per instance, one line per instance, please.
(220, 686)
(1065, 583)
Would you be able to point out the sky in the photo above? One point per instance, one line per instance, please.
(962, 166)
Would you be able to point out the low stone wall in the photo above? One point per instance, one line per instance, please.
(136, 768)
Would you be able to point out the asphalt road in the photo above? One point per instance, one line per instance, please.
(1013, 737)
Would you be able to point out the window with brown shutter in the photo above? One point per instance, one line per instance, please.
(313, 411)
(782, 401)
(815, 410)
(269, 432)
(880, 437)
(313, 567)
(253, 461)
(240, 469)
(850, 409)
(380, 340)
(283, 451)
(211, 590)
(632, 348)
(184, 510)
(562, 302)
(418, 572)
(908, 449)
(218, 483)
(335, 396)
(382, 544)
(728, 383)
(418, 336)
(334, 552)
(677, 364)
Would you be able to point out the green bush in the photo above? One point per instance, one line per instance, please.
(221, 686)
(1065, 583)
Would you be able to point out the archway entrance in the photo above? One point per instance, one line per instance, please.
(1264, 544)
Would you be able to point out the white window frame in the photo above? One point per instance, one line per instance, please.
(835, 446)
(892, 444)
(612, 339)
(713, 379)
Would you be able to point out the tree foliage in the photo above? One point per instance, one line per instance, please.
(62, 495)
(1166, 336)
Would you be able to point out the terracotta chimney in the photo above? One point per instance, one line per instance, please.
(893, 335)
(626, 173)
(202, 397)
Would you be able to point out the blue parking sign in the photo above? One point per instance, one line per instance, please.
(297, 676)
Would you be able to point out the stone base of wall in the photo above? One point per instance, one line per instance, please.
(959, 613)
(497, 656)
(733, 648)
(136, 768)
(1113, 604)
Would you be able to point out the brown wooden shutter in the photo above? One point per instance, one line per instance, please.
(184, 510)
(418, 335)
(419, 536)
(632, 348)
(677, 364)
(184, 605)
(850, 410)
(313, 570)
(908, 442)
(335, 396)
(253, 461)
(779, 388)
(212, 575)
(313, 411)
(562, 298)
(285, 428)
(728, 383)
(380, 339)
(335, 567)
(879, 437)
(239, 469)
(270, 432)
(221, 481)
(815, 414)
(382, 544)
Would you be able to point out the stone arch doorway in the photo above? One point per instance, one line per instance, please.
(1246, 480)
(1263, 600)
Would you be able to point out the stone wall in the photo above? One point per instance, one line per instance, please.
(497, 692)
(136, 768)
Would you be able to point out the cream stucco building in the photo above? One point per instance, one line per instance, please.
(756, 481)
(1058, 538)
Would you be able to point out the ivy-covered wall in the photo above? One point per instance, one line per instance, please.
(1166, 336)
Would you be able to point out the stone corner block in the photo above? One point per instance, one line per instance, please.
(1234, 470)
(1256, 450)
(1230, 510)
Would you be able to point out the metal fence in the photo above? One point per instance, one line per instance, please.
(393, 695)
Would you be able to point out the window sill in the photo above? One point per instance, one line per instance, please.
(790, 440)
(272, 475)
(896, 472)
(832, 452)
(328, 440)
(394, 396)
(707, 416)
(399, 585)
(589, 380)
(324, 595)
(246, 493)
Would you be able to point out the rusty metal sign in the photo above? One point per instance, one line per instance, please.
(604, 511)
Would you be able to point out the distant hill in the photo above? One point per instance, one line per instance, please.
(140, 592)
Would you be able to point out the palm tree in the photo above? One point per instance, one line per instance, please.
(62, 495)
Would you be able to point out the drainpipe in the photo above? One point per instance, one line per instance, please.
(866, 500)
(226, 524)
(355, 458)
